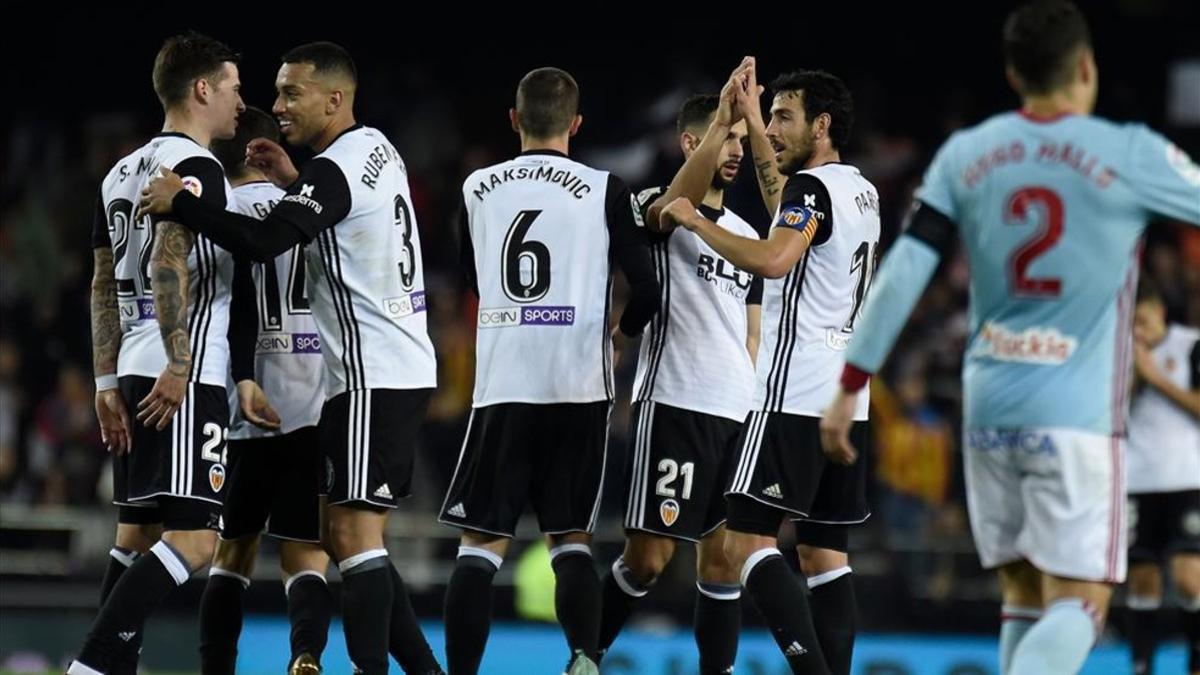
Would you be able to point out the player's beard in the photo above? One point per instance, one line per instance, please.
(718, 181)
(803, 153)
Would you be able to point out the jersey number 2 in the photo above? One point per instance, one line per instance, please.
(1047, 206)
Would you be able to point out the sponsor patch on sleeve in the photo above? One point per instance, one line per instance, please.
(193, 185)
(800, 218)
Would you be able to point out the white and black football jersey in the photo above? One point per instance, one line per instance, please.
(365, 277)
(540, 231)
(210, 268)
(286, 347)
(809, 314)
(694, 354)
(1164, 439)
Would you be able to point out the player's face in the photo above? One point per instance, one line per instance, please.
(300, 104)
(730, 159)
(789, 132)
(1149, 322)
(227, 102)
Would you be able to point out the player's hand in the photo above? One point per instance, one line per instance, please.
(728, 112)
(114, 421)
(158, 194)
(270, 158)
(835, 429)
(1143, 363)
(679, 212)
(255, 407)
(619, 341)
(163, 401)
(748, 97)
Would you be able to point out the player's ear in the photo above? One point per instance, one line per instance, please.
(575, 124)
(336, 98)
(1085, 66)
(512, 118)
(201, 89)
(687, 143)
(821, 125)
(1014, 80)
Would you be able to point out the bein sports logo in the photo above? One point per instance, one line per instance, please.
(404, 305)
(137, 309)
(507, 317)
(289, 343)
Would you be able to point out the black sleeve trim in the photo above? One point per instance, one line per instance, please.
(754, 296)
(205, 175)
(805, 193)
(243, 322)
(318, 200)
(629, 249)
(1195, 359)
(466, 248)
(244, 236)
(643, 200)
(100, 236)
(933, 228)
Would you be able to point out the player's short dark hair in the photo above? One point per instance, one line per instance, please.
(185, 58)
(1148, 291)
(252, 123)
(696, 111)
(823, 93)
(326, 57)
(547, 102)
(1039, 40)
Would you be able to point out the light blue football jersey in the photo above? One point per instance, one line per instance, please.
(1051, 214)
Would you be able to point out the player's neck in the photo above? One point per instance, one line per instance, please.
(330, 133)
(248, 176)
(560, 144)
(180, 122)
(821, 156)
(1052, 105)
(714, 199)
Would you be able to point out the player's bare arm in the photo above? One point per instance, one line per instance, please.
(168, 269)
(106, 344)
(770, 181)
(771, 258)
(753, 330)
(693, 178)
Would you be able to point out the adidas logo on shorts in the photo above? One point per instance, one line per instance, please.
(795, 649)
(774, 492)
(384, 492)
(127, 635)
(458, 511)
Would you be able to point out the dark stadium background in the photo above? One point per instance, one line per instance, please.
(439, 81)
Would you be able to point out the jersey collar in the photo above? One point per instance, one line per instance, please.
(175, 134)
(542, 151)
(1042, 119)
(711, 213)
(337, 138)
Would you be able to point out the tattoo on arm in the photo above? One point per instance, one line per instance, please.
(168, 269)
(768, 179)
(106, 314)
